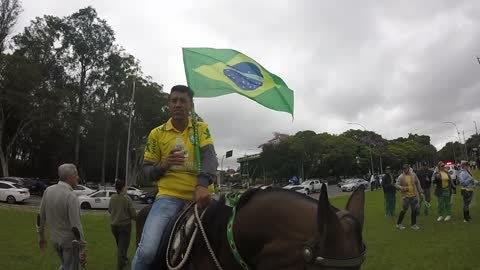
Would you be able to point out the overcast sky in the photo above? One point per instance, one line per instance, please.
(396, 67)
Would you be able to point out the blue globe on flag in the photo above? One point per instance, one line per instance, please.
(245, 75)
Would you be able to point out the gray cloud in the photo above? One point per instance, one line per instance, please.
(396, 67)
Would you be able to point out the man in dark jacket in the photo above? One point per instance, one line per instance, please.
(425, 177)
(388, 183)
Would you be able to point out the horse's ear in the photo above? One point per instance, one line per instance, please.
(326, 218)
(356, 204)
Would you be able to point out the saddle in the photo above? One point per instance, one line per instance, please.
(175, 240)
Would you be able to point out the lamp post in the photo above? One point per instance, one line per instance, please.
(458, 133)
(369, 148)
(476, 130)
(453, 150)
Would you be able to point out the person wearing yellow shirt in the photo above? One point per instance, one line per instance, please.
(443, 190)
(408, 184)
(468, 185)
(169, 159)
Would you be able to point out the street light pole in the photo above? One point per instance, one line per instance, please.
(476, 130)
(453, 150)
(458, 133)
(369, 148)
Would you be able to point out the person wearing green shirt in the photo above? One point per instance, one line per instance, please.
(121, 214)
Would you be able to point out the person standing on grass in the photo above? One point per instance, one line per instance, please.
(410, 189)
(468, 184)
(60, 209)
(389, 190)
(425, 177)
(443, 190)
(121, 213)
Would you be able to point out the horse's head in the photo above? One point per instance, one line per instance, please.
(339, 241)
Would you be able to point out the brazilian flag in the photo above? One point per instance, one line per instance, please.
(215, 72)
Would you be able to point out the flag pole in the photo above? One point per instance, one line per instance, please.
(196, 140)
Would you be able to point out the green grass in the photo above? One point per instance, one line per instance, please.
(438, 245)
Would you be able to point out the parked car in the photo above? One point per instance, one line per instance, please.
(16, 180)
(345, 181)
(92, 185)
(148, 197)
(36, 186)
(134, 193)
(99, 199)
(81, 190)
(312, 185)
(354, 185)
(12, 193)
(236, 186)
(301, 189)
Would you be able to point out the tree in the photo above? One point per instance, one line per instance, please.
(9, 11)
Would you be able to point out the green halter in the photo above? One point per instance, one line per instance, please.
(233, 199)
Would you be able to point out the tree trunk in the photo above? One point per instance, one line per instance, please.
(79, 114)
(104, 155)
(118, 160)
(4, 161)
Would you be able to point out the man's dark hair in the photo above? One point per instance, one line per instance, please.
(183, 89)
(119, 184)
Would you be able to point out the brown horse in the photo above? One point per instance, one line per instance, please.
(282, 229)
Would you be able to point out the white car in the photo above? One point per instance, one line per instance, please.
(351, 186)
(12, 193)
(301, 189)
(134, 193)
(81, 190)
(312, 185)
(99, 199)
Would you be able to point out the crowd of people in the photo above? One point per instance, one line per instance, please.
(416, 188)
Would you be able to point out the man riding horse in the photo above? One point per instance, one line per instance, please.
(175, 171)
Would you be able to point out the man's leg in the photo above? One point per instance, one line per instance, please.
(448, 203)
(405, 204)
(385, 199)
(428, 198)
(163, 210)
(390, 204)
(414, 206)
(71, 260)
(123, 244)
(58, 249)
(441, 206)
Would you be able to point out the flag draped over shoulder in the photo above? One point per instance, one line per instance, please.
(215, 72)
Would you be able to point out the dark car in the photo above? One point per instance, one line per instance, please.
(36, 186)
(148, 197)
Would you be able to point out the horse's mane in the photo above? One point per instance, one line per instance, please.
(249, 194)
(218, 213)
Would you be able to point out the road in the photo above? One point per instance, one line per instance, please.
(34, 200)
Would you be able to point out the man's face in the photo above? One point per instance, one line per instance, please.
(388, 171)
(73, 179)
(406, 170)
(179, 105)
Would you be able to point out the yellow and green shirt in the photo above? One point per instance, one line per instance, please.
(410, 190)
(444, 179)
(178, 182)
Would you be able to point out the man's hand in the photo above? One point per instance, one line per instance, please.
(83, 257)
(202, 196)
(175, 157)
(42, 244)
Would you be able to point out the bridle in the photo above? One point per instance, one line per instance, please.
(309, 249)
(311, 255)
